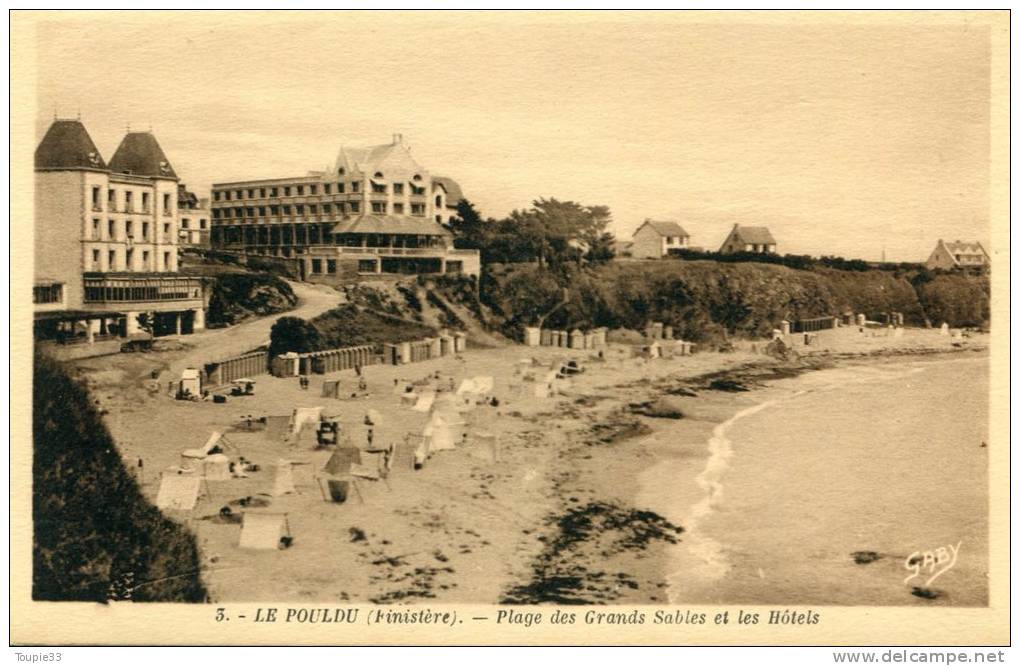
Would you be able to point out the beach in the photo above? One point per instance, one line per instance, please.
(596, 496)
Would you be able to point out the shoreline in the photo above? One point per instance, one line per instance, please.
(703, 558)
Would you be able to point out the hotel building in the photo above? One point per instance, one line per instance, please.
(106, 240)
(376, 211)
(194, 219)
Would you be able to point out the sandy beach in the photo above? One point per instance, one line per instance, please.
(595, 501)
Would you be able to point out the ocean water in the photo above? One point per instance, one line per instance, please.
(885, 458)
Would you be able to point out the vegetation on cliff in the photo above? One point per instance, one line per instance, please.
(706, 301)
(346, 326)
(236, 297)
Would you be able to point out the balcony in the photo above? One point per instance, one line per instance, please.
(400, 251)
(141, 288)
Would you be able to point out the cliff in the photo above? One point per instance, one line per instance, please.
(707, 300)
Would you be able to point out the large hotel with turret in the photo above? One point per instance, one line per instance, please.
(375, 211)
(106, 243)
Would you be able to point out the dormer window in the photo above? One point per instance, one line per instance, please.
(93, 158)
(416, 177)
(164, 168)
(340, 171)
(378, 174)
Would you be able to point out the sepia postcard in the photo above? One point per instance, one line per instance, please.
(516, 328)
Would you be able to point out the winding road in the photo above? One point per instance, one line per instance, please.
(222, 343)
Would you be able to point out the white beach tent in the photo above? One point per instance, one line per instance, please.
(216, 467)
(178, 492)
(481, 385)
(263, 531)
(305, 415)
(439, 434)
(283, 484)
(194, 455)
(425, 400)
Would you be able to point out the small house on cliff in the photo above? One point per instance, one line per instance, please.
(958, 255)
(749, 239)
(654, 239)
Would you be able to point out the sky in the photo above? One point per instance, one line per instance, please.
(852, 138)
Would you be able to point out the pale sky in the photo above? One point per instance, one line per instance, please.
(843, 139)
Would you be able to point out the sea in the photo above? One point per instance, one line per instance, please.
(865, 484)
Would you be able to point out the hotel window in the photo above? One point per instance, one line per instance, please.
(216, 213)
(339, 188)
(418, 209)
(273, 191)
(95, 228)
(202, 223)
(166, 261)
(127, 201)
(145, 231)
(313, 189)
(355, 186)
(286, 191)
(326, 188)
(378, 206)
(251, 211)
(215, 196)
(313, 209)
(417, 190)
(95, 260)
(378, 188)
(327, 209)
(398, 209)
(251, 194)
(274, 210)
(111, 260)
(145, 202)
(262, 192)
(239, 194)
(166, 204)
(439, 200)
(355, 206)
(129, 257)
(286, 210)
(145, 261)
(49, 293)
(398, 188)
(111, 230)
(262, 211)
(300, 189)
(316, 265)
(299, 209)
(166, 230)
(331, 265)
(95, 198)
(129, 229)
(238, 213)
(366, 265)
(111, 198)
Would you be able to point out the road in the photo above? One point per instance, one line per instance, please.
(222, 343)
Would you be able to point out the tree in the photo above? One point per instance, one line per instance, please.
(293, 334)
(601, 250)
(468, 227)
(557, 231)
